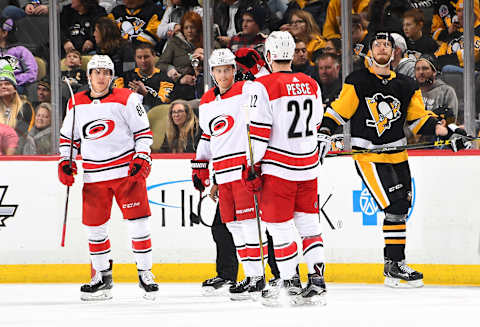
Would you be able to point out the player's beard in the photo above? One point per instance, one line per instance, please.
(382, 60)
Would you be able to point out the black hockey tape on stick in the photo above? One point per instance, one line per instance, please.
(426, 145)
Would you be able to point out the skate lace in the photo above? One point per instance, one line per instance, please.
(406, 269)
(214, 279)
(147, 277)
(97, 278)
(243, 282)
(254, 280)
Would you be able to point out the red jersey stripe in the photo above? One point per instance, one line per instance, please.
(230, 162)
(88, 165)
(290, 160)
(260, 131)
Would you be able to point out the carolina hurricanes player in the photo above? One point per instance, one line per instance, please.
(113, 131)
(224, 142)
(285, 110)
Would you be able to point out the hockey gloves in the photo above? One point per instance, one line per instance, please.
(140, 165)
(458, 138)
(324, 144)
(200, 174)
(66, 172)
(252, 180)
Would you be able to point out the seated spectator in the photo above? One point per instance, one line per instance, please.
(170, 23)
(26, 8)
(177, 59)
(44, 93)
(386, 15)
(110, 42)
(42, 130)
(436, 94)
(450, 53)
(318, 9)
(77, 22)
(76, 75)
(444, 20)
(20, 58)
(8, 140)
(360, 42)
(328, 77)
(303, 27)
(15, 110)
(300, 62)
(183, 132)
(152, 83)
(253, 21)
(402, 63)
(413, 21)
(138, 21)
(333, 46)
(331, 29)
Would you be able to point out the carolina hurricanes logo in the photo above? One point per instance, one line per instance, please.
(220, 125)
(97, 129)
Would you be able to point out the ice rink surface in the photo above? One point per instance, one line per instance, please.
(349, 305)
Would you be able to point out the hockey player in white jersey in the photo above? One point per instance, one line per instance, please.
(224, 142)
(285, 111)
(113, 131)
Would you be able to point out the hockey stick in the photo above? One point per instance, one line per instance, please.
(65, 79)
(252, 171)
(426, 145)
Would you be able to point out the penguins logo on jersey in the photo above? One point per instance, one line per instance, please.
(132, 26)
(358, 49)
(221, 125)
(97, 129)
(384, 111)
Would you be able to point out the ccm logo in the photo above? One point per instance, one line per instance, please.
(131, 205)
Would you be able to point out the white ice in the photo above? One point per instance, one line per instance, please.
(349, 305)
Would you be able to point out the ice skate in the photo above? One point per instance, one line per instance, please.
(147, 283)
(257, 284)
(216, 286)
(398, 274)
(99, 288)
(315, 291)
(239, 291)
(286, 292)
(274, 281)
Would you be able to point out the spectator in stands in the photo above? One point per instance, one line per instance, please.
(333, 46)
(435, 93)
(386, 15)
(110, 42)
(19, 57)
(300, 62)
(77, 22)
(76, 75)
(331, 29)
(360, 42)
(26, 8)
(138, 21)
(318, 9)
(44, 93)
(253, 21)
(170, 23)
(402, 63)
(328, 77)
(178, 58)
(303, 27)
(444, 20)
(450, 53)
(152, 83)
(413, 21)
(183, 132)
(8, 140)
(42, 130)
(15, 110)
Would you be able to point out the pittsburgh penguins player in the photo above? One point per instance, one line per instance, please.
(378, 102)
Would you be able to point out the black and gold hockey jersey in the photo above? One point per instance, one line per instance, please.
(451, 52)
(378, 108)
(139, 24)
(159, 86)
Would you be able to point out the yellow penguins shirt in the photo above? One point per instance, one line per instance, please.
(378, 107)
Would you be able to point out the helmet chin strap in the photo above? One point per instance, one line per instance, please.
(384, 65)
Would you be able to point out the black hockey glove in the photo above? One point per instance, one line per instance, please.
(458, 138)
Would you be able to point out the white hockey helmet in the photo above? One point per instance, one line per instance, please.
(221, 57)
(280, 45)
(99, 62)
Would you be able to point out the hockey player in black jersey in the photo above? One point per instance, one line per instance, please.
(378, 102)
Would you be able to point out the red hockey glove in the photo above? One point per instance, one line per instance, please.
(140, 165)
(66, 172)
(200, 174)
(253, 181)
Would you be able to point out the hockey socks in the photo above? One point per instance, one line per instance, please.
(139, 231)
(99, 246)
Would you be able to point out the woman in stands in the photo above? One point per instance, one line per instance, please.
(77, 23)
(183, 132)
(179, 53)
(42, 129)
(19, 57)
(110, 42)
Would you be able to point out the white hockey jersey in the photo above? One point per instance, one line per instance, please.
(224, 138)
(286, 109)
(109, 130)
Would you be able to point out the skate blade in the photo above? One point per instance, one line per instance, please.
(151, 296)
(240, 296)
(101, 295)
(212, 291)
(255, 296)
(399, 283)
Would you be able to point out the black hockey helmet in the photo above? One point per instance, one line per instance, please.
(382, 35)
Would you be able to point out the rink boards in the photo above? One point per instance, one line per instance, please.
(443, 229)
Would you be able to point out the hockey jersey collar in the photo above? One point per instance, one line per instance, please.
(99, 98)
(392, 74)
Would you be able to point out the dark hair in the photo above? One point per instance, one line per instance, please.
(111, 37)
(416, 14)
(89, 4)
(145, 45)
(357, 21)
(337, 43)
(326, 55)
(196, 20)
